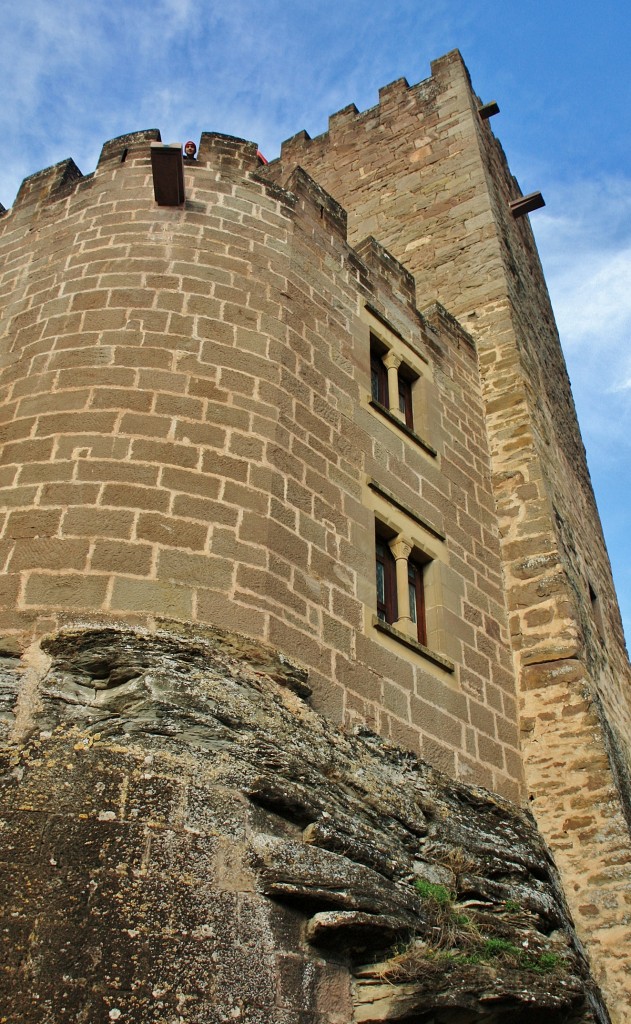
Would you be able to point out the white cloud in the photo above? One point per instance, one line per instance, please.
(594, 293)
(587, 259)
(186, 66)
(586, 255)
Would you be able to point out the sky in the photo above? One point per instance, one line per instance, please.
(75, 74)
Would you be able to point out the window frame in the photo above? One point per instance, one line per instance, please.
(397, 528)
(399, 405)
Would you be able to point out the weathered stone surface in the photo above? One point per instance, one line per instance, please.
(185, 840)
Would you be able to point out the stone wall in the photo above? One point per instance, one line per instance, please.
(424, 173)
(188, 432)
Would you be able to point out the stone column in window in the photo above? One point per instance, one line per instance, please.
(392, 362)
(401, 551)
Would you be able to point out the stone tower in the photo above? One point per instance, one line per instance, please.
(271, 535)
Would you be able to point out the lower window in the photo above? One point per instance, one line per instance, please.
(417, 600)
(386, 582)
(396, 602)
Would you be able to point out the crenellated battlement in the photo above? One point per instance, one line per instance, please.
(222, 153)
(392, 97)
(226, 155)
(216, 148)
(48, 184)
(132, 146)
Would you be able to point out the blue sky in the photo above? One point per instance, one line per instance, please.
(77, 73)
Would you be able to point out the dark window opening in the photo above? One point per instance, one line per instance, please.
(378, 376)
(405, 400)
(386, 582)
(417, 600)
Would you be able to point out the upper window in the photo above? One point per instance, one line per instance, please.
(400, 379)
(391, 381)
(378, 374)
(405, 400)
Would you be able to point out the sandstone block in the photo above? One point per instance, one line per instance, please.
(159, 596)
(65, 591)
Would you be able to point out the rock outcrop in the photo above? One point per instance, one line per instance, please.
(186, 840)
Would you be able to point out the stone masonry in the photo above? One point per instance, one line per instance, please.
(191, 436)
(424, 173)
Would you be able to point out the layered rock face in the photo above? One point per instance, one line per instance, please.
(186, 840)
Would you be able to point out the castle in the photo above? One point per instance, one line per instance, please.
(310, 647)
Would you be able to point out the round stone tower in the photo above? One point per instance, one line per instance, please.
(191, 435)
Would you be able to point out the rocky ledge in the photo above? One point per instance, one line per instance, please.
(185, 840)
